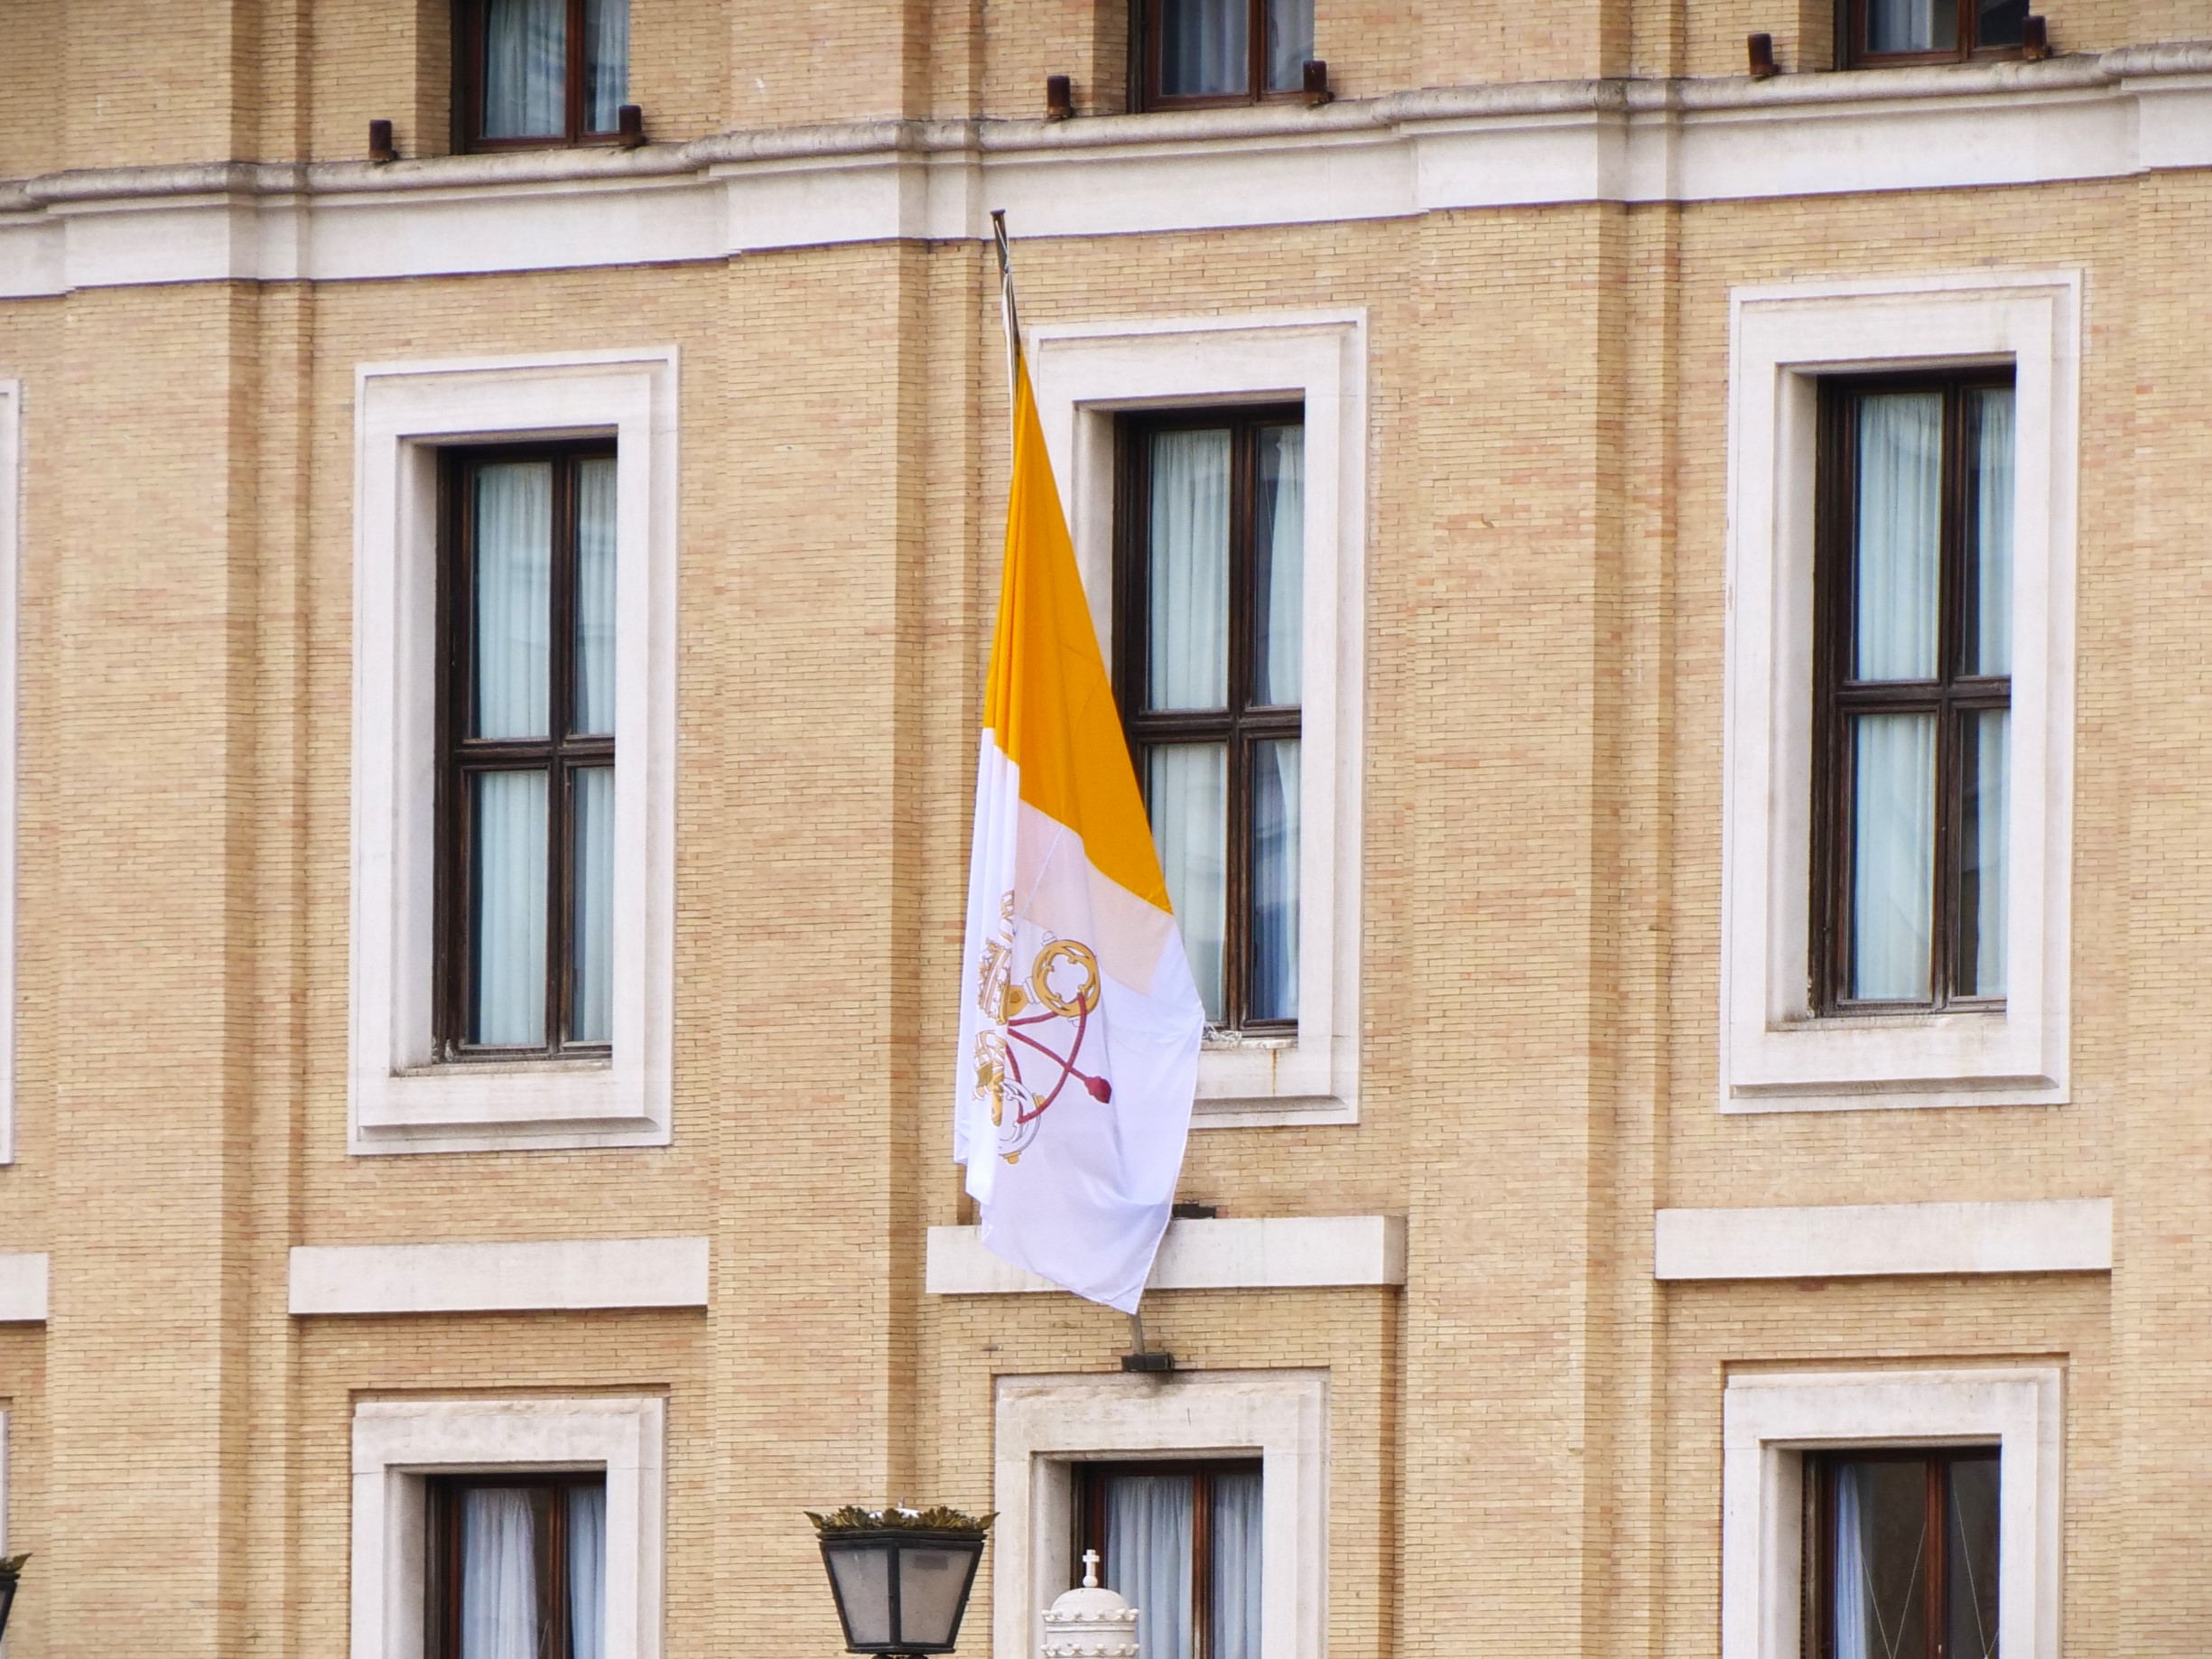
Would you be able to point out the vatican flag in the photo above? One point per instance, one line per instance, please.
(1080, 1023)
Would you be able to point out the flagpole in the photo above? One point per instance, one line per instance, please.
(1007, 315)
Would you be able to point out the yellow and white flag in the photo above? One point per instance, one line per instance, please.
(1080, 1023)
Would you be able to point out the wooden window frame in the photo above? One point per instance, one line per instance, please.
(1817, 1639)
(1242, 724)
(1951, 696)
(441, 1577)
(559, 754)
(471, 18)
(1145, 46)
(1851, 25)
(1090, 1529)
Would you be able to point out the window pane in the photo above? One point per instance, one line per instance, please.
(1881, 1560)
(1988, 644)
(606, 63)
(1892, 855)
(592, 1009)
(1895, 573)
(525, 68)
(864, 1578)
(1290, 42)
(507, 908)
(1186, 787)
(1279, 568)
(499, 1608)
(1970, 1559)
(513, 599)
(2001, 23)
(587, 1516)
(1982, 766)
(1187, 631)
(1236, 1567)
(595, 597)
(1148, 1557)
(1911, 25)
(1205, 50)
(1275, 880)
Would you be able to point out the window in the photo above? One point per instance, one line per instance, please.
(1209, 658)
(1896, 32)
(1192, 53)
(1181, 1543)
(527, 808)
(1913, 700)
(517, 1566)
(1902, 1557)
(537, 73)
(1975, 479)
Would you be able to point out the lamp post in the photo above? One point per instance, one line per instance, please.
(900, 1576)
(11, 1573)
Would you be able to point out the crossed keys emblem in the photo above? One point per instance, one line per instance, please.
(1028, 1017)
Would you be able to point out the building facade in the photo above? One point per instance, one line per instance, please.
(1661, 609)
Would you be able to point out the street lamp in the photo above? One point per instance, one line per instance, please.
(11, 1571)
(901, 1577)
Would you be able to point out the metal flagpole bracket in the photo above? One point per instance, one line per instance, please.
(1141, 1358)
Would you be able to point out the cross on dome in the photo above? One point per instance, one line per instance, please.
(1090, 1570)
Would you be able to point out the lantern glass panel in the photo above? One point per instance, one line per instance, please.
(931, 1579)
(863, 1576)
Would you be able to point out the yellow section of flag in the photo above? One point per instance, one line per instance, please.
(1049, 700)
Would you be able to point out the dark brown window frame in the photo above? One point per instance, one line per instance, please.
(1145, 65)
(471, 19)
(1090, 1524)
(1851, 25)
(1951, 696)
(441, 1581)
(1242, 724)
(1817, 1628)
(560, 753)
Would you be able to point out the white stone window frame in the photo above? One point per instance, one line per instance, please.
(1046, 1425)
(397, 1444)
(1771, 1420)
(399, 1099)
(1087, 373)
(12, 487)
(1776, 1054)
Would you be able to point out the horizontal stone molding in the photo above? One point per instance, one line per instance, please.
(558, 1274)
(22, 1287)
(2130, 110)
(1271, 1253)
(1843, 1241)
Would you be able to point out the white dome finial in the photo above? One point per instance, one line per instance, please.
(1090, 1622)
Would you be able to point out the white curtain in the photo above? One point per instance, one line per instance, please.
(592, 1009)
(1900, 531)
(509, 920)
(1893, 855)
(606, 63)
(513, 599)
(1853, 1587)
(1275, 880)
(1989, 642)
(1236, 1567)
(1205, 50)
(1187, 788)
(1290, 42)
(1187, 631)
(1911, 25)
(587, 1519)
(1987, 784)
(1148, 1557)
(525, 68)
(1278, 551)
(595, 597)
(498, 1575)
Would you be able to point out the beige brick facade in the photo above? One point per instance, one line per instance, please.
(1524, 1440)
